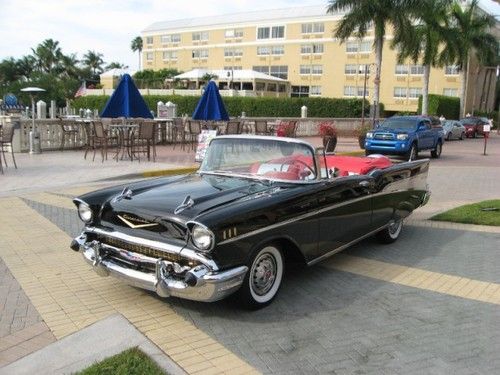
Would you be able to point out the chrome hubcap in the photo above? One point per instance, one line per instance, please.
(263, 274)
(394, 228)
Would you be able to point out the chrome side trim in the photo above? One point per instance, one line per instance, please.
(343, 247)
(182, 251)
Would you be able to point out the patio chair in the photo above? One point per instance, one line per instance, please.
(233, 127)
(261, 128)
(6, 135)
(194, 127)
(68, 130)
(102, 140)
(142, 141)
(178, 132)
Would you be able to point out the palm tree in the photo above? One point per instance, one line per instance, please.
(136, 45)
(69, 66)
(26, 65)
(360, 15)
(48, 55)
(468, 34)
(115, 65)
(94, 61)
(423, 40)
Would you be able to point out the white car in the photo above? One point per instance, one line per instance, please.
(453, 129)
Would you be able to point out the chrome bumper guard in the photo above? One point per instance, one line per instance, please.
(204, 284)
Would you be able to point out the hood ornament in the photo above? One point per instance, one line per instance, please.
(125, 194)
(187, 203)
(139, 223)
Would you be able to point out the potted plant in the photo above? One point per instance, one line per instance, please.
(360, 132)
(328, 132)
(286, 129)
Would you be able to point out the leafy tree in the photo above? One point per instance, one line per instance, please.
(115, 65)
(9, 71)
(423, 40)
(469, 34)
(94, 61)
(149, 78)
(136, 45)
(360, 15)
(47, 55)
(26, 65)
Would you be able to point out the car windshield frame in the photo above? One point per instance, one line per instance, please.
(265, 158)
(409, 123)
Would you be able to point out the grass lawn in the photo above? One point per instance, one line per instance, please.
(482, 213)
(129, 362)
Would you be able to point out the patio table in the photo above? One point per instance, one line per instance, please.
(124, 132)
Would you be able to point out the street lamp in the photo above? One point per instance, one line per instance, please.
(34, 137)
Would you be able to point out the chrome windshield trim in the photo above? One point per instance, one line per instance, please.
(257, 177)
(173, 249)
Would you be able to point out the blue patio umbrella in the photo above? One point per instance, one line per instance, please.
(210, 106)
(126, 101)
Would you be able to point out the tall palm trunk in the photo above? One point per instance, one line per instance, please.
(463, 84)
(140, 60)
(379, 42)
(425, 90)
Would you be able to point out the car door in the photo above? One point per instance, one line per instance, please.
(344, 211)
(457, 130)
(424, 134)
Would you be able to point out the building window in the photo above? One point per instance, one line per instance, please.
(233, 33)
(450, 92)
(149, 56)
(358, 47)
(356, 91)
(281, 87)
(271, 32)
(170, 38)
(311, 28)
(400, 92)
(233, 67)
(352, 69)
(170, 55)
(416, 70)
(149, 40)
(311, 69)
(233, 52)
(307, 49)
(200, 53)
(279, 71)
(401, 69)
(415, 92)
(270, 50)
(201, 35)
(260, 86)
(300, 91)
(451, 70)
(261, 69)
(315, 91)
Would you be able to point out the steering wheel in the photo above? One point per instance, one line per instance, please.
(298, 161)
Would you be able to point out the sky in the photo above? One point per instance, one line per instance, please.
(108, 26)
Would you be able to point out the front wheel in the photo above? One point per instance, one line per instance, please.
(412, 153)
(436, 153)
(263, 278)
(462, 136)
(391, 233)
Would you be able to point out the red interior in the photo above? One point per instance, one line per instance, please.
(293, 168)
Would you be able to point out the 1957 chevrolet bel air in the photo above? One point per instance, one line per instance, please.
(255, 203)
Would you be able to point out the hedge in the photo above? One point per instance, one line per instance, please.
(253, 107)
(448, 106)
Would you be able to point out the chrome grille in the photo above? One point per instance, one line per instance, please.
(140, 249)
(383, 136)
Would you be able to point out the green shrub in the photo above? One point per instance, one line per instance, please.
(448, 106)
(253, 107)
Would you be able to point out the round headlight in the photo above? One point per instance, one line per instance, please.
(402, 136)
(202, 237)
(369, 135)
(85, 212)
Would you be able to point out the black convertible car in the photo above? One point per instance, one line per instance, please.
(255, 203)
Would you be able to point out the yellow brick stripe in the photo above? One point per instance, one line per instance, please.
(417, 278)
(70, 296)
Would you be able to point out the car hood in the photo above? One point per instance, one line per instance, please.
(185, 198)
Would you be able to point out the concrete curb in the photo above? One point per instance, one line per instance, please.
(92, 344)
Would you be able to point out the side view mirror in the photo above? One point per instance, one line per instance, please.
(421, 127)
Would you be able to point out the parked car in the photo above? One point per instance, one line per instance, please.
(453, 129)
(255, 204)
(407, 136)
(474, 126)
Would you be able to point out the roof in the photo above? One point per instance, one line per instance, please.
(117, 72)
(237, 75)
(243, 17)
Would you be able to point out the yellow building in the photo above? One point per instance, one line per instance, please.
(296, 44)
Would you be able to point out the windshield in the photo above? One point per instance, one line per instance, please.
(399, 123)
(270, 159)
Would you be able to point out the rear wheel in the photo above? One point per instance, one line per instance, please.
(436, 153)
(448, 137)
(263, 279)
(412, 153)
(391, 233)
(462, 136)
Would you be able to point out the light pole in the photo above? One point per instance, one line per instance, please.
(34, 137)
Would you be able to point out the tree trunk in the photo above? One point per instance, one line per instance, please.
(425, 90)
(139, 60)
(379, 44)
(487, 96)
(481, 100)
(463, 83)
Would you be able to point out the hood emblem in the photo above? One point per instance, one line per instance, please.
(139, 223)
(187, 203)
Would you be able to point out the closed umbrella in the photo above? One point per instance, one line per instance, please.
(210, 107)
(126, 101)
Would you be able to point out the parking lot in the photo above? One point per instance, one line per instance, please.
(428, 303)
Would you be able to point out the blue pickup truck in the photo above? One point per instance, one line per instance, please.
(406, 136)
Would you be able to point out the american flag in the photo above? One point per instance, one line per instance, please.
(82, 90)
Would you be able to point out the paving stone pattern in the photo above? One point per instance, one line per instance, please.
(328, 321)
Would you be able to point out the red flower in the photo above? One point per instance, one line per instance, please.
(327, 129)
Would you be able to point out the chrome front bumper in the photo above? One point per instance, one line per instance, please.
(206, 285)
